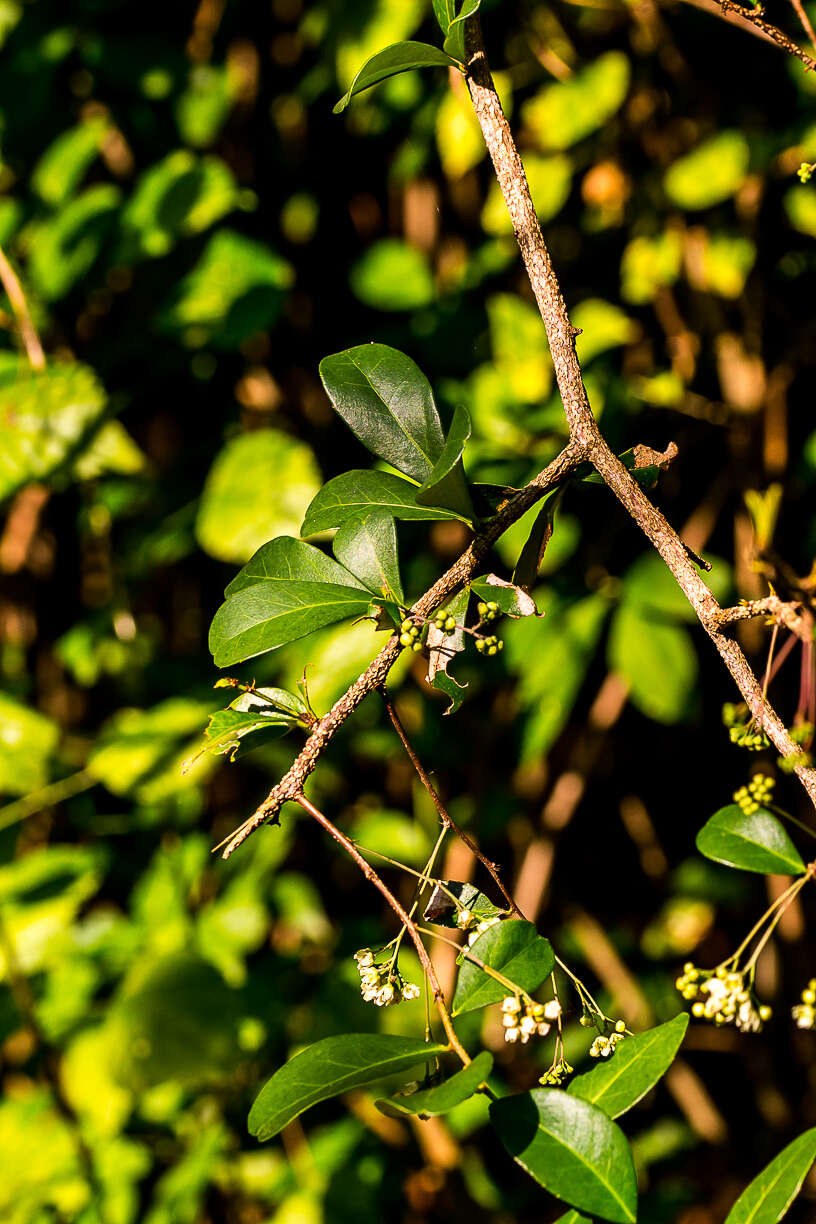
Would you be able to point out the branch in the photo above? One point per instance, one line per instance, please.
(582, 425)
(463, 571)
(791, 615)
(410, 926)
(28, 332)
(752, 21)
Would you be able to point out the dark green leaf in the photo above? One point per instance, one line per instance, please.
(637, 1065)
(285, 559)
(446, 485)
(357, 492)
(387, 401)
(367, 546)
(452, 689)
(326, 1069)
(442, 910)
(511, 599)
(444, 1096)
(516, 950)
(269, 614)
(571, 1148)
(227, 728)
(768, 1197)
(753, 843)
(444, 11)
(454, 43)
(400, 57)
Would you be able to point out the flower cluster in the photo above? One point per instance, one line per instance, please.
(444, 621)
(604, 1045)
(488, 611)
(410, 634)
(382, 984)
(555, 1075)
(805, 171)
(489, 645)
(523, 1020)
(804, 1013)
(722, 996)
(755, 795)
(741, 728)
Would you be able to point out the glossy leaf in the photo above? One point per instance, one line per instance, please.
(446, 485)
(329, 1067)
(532, 554)
(358, 492)
(516, 950)
(757, 842)
(401, 57)
(768, 1197)
(572, 1148)
(367, 547)
(636, 1066)
(387, 401)
(442, 1097)
(285, 559)
(267, 615)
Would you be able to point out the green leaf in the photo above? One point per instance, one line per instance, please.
(444, 11)
(443, 646)
(180, 195)
(329, 1067)
(367, 546)
(287, 560)
(442, 911)
(45, 417)
(531, 555)
(27, 741)
(563, 113)
(259, 486)
(752, 843)
(387, 402)
(571, 1148)
(237, 288)
(358, 492)
(65, 246)
(64, 163)
(511, 599)
(650, 587)
(515, 949)
(393, 275)
(711, 173)
(452, 689)
(637, 1065)
(401, 57)
(446, 484)
(266, 607)
(768, 1197)
(454, 42)
(442, 1097)
(658, 661)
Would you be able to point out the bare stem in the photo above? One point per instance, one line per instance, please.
(582, 425)
(425, 960)
(444, 814)
(28, 332)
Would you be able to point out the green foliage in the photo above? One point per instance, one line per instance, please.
(639, 1062)
(772, 1191)
(402, 57)
(440, 1098)
(571, 1148)
(710, 173)
(329, 1067)
(513, 948)
(566, 112)
(750, 842)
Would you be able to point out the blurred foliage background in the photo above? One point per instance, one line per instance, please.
(194, 231)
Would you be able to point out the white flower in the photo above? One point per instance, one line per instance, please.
(410, 991)
(552, 1010)
(511, 1004)
(512, 1034)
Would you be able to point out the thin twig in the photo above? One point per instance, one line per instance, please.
(28, 332)
(753, 23)
(373, 878)
(444, 814)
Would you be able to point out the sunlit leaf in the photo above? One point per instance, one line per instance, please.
(753, 842)
(401, 57)
(513, 948)
(636, 1066)
(393, 275)
(710, 173)
(563, 113)
(429, 1102)
(768, 1197)
(367, 547)
(356, 493)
